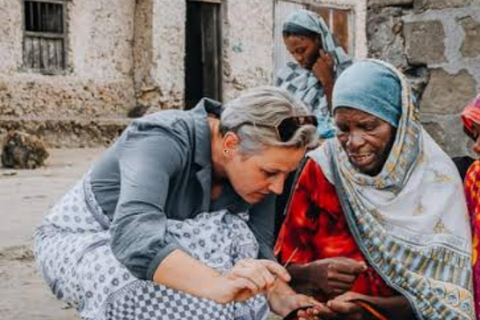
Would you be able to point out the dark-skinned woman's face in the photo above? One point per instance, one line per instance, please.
(305, 50)
(366, 139)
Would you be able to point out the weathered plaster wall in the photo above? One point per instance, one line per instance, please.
(10, 36)
(101, 37)
(97, 83)
(169, 51)
(248, 45)
(437, 44)
(143, 54)
(159, 54)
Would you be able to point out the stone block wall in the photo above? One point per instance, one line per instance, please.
(437, 44)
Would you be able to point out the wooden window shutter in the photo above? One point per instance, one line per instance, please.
(338, 22)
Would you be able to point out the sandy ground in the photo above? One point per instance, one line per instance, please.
(25, 197)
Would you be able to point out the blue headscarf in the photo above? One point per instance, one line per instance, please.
(370, 87)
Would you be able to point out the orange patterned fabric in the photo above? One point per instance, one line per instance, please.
(471, 114)
(472, 188)
(316, 227)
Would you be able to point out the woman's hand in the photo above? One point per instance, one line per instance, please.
(283, 300)
(332, 276)
(318, 311)
(246, 279)
(323, 69)
(346, 309)
(394, 308)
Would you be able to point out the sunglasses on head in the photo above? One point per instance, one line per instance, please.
(286, 128)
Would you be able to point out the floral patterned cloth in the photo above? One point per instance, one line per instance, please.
(73, 253)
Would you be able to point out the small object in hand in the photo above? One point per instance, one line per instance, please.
(370, 308)
(290, 258)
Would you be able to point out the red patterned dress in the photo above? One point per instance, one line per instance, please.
(316, 227)
(472, 192)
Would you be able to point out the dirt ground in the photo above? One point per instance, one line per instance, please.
(25, 197)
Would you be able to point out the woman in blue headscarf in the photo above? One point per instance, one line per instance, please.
(378, 220)
(319, 61)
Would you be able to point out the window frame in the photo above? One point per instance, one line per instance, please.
(351, 6)
(47, 35)
(350, 16)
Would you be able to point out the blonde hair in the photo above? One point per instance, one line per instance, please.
(265, 106)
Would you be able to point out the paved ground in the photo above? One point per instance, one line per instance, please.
(25, 196)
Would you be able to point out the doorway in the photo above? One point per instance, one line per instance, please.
(203, 58)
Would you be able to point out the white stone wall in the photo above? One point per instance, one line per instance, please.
(169, 51)
(101, 38)
(10, 36)
(248, 45)
(159, 54)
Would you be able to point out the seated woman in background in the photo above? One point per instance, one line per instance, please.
(471, 126)
(319, 61)
(378, 216)
(171, 219)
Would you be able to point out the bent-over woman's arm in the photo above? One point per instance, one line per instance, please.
(148, 163)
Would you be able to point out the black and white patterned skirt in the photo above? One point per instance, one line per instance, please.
(73, 253)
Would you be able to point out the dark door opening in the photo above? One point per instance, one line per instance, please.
(203, 67)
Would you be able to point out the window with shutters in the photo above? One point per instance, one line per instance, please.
(44, 37)
(338, 19)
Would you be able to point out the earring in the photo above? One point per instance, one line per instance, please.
(226, 151)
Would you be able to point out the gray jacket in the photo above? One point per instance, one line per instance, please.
(159, 169)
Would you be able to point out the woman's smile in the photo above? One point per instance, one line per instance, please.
(362, 160)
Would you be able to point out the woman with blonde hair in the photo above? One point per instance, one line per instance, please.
(175, 220)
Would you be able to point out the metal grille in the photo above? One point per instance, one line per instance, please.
(44, 36)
